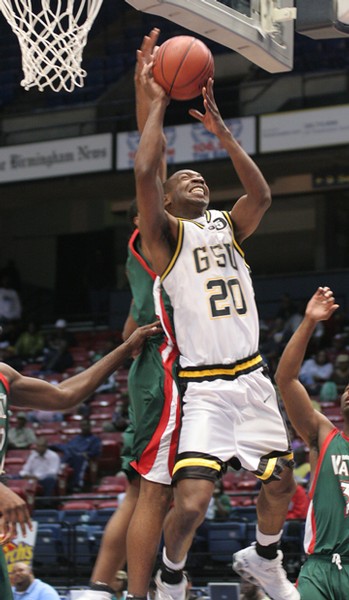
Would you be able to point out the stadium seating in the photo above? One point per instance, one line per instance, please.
(224, 539)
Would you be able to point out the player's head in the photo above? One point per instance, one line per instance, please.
(186, 194)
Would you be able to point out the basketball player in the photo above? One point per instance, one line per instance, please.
(34, 393)
(230, 406)
(325, 574)
(151, 442)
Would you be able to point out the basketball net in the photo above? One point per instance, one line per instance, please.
(52, 39)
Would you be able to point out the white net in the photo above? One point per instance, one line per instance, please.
(52, 35)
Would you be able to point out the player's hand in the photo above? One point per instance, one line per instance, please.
(13, 510)
(322, 305)
(152, 89)
(211, 119)
(147, 52)
(138, 337)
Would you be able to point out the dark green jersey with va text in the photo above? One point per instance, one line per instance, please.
(327, 527)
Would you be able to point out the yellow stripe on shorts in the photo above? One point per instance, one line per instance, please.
(196, 462)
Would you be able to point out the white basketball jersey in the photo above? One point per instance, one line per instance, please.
(210, 288)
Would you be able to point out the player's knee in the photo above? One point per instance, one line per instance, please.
(193, 509)
(286, 486)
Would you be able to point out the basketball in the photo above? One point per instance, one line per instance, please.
(182, 67)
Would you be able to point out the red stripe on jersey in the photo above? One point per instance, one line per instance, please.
(146, 461)
(138, 256)
(5, 382)
(167, 323)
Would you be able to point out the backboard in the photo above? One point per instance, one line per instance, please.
(323, 19)
(260, 30)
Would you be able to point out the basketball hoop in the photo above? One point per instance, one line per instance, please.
(52, 35)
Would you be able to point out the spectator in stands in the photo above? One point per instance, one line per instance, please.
(28, 347)
(302, 465)
(120, 585)
(249, 591)
(219, 507)
(315, 371)
(341, 372)
(26, 586)
(45, 416)
(338, 346)
(299, 504)
(57, 355)
(110, 385)
(43, 465)
(120, 419)
(21, 436)
(78, 452)
(10, 303)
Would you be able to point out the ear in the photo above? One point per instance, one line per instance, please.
(136, 221)
(167, 200)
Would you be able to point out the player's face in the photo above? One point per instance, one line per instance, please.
(188, 194)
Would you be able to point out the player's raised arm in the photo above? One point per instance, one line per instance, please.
(143, 101)
(154, 221)
(250, 208)
(301, 413)
(40, 394)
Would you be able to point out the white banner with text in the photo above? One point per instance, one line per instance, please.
(69, 156)
(304, 129)
(189, 143)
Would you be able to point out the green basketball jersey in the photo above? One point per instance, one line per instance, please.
(141, 278)
(327, 527)
(152, 386)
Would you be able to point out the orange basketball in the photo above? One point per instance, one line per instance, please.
(182, 67)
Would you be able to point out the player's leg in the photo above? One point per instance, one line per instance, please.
(261, 563)
(270, 458)
(191, 499)
(112, 552)
(273, 502)
(144, 534)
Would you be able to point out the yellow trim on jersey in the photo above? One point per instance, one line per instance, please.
(196, 462)
(228, 217)
(271, 466)
(239, 249)
(191, 221)
(233, 370)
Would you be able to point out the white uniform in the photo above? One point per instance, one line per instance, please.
(230, 406)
